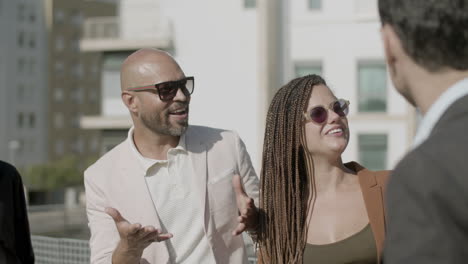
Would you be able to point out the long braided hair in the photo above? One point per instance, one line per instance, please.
(285, 176)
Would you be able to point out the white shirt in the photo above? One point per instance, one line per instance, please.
(177, 204)
(438, 108)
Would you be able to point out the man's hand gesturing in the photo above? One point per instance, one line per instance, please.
(133, 238)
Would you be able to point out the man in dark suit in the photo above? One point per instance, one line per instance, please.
(15, 239)
(426, 48)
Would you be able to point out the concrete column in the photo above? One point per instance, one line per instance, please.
(274, 64)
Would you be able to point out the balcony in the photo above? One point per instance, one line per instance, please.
(101, 34)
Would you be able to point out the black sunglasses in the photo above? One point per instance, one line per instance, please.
(168, 90)
(319, 114)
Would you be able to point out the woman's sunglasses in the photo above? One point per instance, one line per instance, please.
(168, 90)
(319, 114)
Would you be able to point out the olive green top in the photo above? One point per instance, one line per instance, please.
(359, 248)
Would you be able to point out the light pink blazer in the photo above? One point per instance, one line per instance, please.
(118, 180)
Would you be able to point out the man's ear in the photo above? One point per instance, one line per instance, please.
(130, 100)
(392, 47)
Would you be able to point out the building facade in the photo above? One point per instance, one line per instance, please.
(341, 41)
(74, 77)
(218, 43)
(23, 89)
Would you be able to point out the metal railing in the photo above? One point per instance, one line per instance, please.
(48, 250)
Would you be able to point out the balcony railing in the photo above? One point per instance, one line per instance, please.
(107, 34)
(101, 28)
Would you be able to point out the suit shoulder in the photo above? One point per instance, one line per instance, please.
(382, 176)
(210, 133)
(8, 172)
(108, 160)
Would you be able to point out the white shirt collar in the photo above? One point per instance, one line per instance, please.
(438, 108)
(148, 162)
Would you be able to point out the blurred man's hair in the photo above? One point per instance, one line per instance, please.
(433, 32)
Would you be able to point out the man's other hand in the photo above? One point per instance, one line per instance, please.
(248, 213)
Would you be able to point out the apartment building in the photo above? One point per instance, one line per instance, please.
(74, 77)
(23, 89)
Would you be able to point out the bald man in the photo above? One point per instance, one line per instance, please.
(171, 192)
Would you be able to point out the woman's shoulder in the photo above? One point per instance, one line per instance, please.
(380, 177)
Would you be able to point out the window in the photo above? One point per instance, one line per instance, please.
(21, 10)
(94, 70)
(372, 87)
(32, 41)
(32, 15)
(78, 146)
(32, 65)
(306, 68)
(58, 94)
(20, 39)
(77, 95)
(20, 92)
(76, 17)
(59, 67)
(93, 144)
(75, 45)
(77, 70)
(250, 4)
(315, 4)
(58, 120)
(59, 16)
(373, 151)
(21, 65)
(75, 121)
(59, 43)
(59, 147)
(20, 120)
(32, 120)
(93, 95)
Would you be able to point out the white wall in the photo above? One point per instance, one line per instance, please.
(216, 41)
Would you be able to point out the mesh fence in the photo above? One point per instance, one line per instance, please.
(49, 250)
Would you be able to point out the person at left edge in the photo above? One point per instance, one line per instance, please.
(15, 238)
(171, 192)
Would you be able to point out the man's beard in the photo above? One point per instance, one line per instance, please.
(159, 126)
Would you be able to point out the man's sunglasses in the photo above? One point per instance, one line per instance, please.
(168, 90)
(319, 114)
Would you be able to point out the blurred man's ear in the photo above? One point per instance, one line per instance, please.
(392, 46)
(129, 100)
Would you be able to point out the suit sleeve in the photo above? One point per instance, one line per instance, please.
(104, 234)
(23, 243)
(426, 213)
(246, 170)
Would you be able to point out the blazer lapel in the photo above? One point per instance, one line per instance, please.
(198, 154)
(373, 198)
(141, 203)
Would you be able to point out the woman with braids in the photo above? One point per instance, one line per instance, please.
(316, 209)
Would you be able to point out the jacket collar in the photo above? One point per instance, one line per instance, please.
(373, 186)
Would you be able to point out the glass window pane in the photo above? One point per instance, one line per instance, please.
(249, 3)
(373, 151)
(315, 4)
(306, 69)
(372, 85)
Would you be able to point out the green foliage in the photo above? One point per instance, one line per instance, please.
(64, 172)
